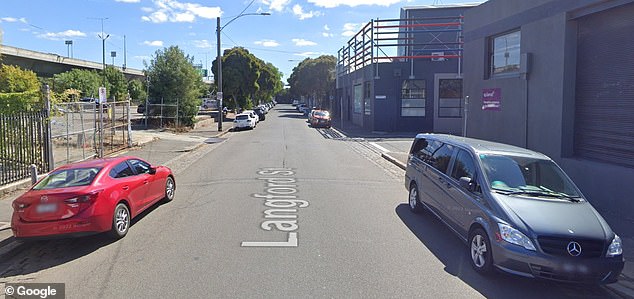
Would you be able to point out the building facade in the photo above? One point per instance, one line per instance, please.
(557, 76)
(404, 75)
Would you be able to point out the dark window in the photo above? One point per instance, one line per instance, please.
(504, 54)
(450, 98)
(413, 98)
(424, 149)
(441, 157)
(463, 166)
(122, 170)
(367, 92)
(140, 166)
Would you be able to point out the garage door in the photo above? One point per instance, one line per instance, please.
(604, 116)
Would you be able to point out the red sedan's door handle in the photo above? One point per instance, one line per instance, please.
(145, 182)
(126, 187)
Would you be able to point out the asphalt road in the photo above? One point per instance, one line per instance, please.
(343, 230)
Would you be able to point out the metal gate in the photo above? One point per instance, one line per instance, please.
(84, 130)
(604, 122)
(23, 141)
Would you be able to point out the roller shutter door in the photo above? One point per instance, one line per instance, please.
(604, 107)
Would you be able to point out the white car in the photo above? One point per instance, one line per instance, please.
(255, 115)
(244, 120)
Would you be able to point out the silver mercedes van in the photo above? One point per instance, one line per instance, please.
(516, 209)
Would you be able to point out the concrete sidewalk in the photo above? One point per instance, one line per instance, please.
(160, 147)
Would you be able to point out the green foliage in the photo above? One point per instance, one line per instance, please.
(116, 84)
(19, 90)
(246, 79)
(173, 78)
(87, 82)
(137, 90)
(314, 78)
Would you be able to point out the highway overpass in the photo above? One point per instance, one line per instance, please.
(49, 64)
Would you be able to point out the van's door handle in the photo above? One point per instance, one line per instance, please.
(126, 187)
(145, 182)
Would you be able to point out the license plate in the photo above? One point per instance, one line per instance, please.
(46, 208)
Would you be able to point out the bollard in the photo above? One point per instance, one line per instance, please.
(33, 169)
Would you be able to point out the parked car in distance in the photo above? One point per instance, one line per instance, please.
(320, 118)
(101, 195)
(516, 209)
(253, 114)
(260, 112)
(244, 120)
(295, 102)
(300, 107)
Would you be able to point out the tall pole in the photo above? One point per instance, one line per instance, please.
(219, 81)
(124, 55)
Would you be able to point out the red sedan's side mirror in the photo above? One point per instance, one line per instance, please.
(152, 170)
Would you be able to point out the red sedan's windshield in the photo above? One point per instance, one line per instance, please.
(68, 178)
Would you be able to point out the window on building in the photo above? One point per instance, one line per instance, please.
(504, 54)
(358, 98)
(367, 93)
(450, 98)
(413, 98)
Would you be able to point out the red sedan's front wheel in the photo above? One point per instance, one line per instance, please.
(120, 221)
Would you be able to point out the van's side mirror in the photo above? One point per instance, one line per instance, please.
(465, 182)
(152, 170)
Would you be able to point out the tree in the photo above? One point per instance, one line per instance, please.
(247, 79)
(116, 84)
(240, 73)
(173, 79)
(314, 78)
(270, 81)
(137, 90)
(87, 82)
(19, 90)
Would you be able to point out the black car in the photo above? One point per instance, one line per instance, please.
(260, 113)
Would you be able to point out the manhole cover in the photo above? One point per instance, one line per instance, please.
(214, 140)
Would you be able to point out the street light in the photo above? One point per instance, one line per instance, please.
(219, 59)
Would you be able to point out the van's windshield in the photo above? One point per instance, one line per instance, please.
(524, 175)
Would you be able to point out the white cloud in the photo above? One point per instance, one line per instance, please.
(307, 54)
(352, 3)
(327, 33)
(299, 12)
(128, 1)
(267, 43)
(13, 20)
(155, 43)
(350, 29)
(202, 44)
(143, 57)
(62, 35)
(277, 5)
(174, 11)
(300, 42)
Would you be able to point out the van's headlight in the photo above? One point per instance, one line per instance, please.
(615, 247)
(513, 236)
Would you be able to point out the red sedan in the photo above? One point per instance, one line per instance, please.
(89, 197)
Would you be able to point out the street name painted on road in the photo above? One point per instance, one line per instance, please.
(280, 196)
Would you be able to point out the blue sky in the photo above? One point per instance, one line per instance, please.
(295, 29)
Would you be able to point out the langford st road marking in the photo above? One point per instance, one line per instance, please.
(281, 198)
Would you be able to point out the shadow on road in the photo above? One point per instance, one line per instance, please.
(34, 256)
(453, 253)
(295, 115)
